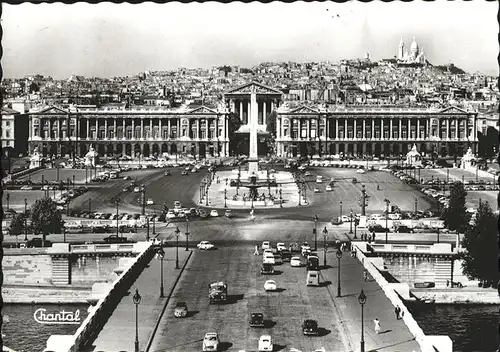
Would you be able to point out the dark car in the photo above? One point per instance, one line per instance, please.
(167, 173)
(115, 239)
(181, 310)
(404, 229)
(376, 228)
(310, 327)
(267, 269)
(37, 243)
(184, 173)
(286, 255)
(312, 263)
(257, 320)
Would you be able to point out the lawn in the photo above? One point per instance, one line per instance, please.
(16, 200)
(64, 175)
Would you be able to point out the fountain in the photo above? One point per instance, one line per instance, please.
(35, 159)
(90, 157)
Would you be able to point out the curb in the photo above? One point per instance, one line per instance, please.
(346, 338)
(160, 316)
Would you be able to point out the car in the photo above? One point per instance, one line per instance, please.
(184, 173)
(267, 269)
(268, 258)
(228, 214)
(316, 190)
(167, 173)
(313, 263)
(205, 245)
(277, 259)
(137, 190)
(294, 247)
(181, 310)
(211, 341)
(214, 213)
(150, 202)
(37, 243)
(266, 245)
(376, 228)
(280, 246)
(286, 255)
(270, 285)
(26, 188)
(257, 320)
(127, 177)
(295, 262)
(155, 241)
(177, 205)
(265, 343)
(328, 188)
(115, 239)
(171, 214)
(310, 327)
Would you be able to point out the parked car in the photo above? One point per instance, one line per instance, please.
(328, 188)
(167, 173)
(286, 255)
(280, 246)
(310, 327)
(171, 214)
(270, 285)
(184, 173)
(180, 310)
(214, 213)
(295, 262)
(205, 245)
(277, 259)
(376, 228)
(266, 245)
(115, 239)
(267, 269)
(404, 229)
(211, 341)
(257, 320)
(137, 190)
(268, 258)
(150, 202)
(265, 343)
(37, 243)
(228, 214)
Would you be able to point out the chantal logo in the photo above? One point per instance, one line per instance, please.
(62, 317)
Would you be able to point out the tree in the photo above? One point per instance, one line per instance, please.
(455, 216)
(45, 218)
(271, 128)
(234, 123)
(16, 225)
(480, 241)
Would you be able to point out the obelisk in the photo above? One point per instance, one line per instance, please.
(253, 160)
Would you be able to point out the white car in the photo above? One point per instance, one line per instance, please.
(305, 246)
(328, 188)
(266, 245)
(316, 190)
(268, 258)
(26, 188)
(205, 245)
(137, 190)
(280, 246)
(171, 215)
(211, 341)
(265, 343)
(360, 171)
(270, 285)
(214, 213)
(150, 202)
(295, 262)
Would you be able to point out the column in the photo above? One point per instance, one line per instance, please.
(363, 133)
(457, 128)
(447, 128)
(249, 105)
(240, 102)
(345, 128)
(409, 131)
(142, 131)
(399, 127)
(418, 128)
(96, 128)
(232, 105)
(264, 105)
(169, 126)
(114, 125)
(150, 127)
(160, 132)
(390, 128)
(133, 128)
(123, 132)
(308, 128)
(382, 128)
(373, 128)
(354, 129)
(105, 128)
(336, 128)
(88, 128)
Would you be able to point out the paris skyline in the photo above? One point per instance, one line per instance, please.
(108, 40)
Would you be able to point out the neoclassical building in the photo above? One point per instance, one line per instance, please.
(300, 131)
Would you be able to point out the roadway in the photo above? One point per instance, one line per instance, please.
(284, 310)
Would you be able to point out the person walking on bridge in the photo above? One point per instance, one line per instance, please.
(376, 323)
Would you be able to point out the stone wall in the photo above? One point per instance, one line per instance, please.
(27, 269)
(45, 294)
(89, 270)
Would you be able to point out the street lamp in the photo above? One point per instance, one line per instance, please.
(281, 200)
(137, 300)
(299, 198)
(362, 301)
(73, 181)
(341, 210)
(8, 199)
(177, 232)
(64, 231)
(25, 219)
(90, 205)
(350, 223)
(161, 255)
(187, 233)
(154, 222)
(339, 255)
(143, 192)
(225, 198)
(325, 233)
(117, 202)
(315, 231)
(387, 202)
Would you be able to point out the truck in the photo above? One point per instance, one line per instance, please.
(217, 292)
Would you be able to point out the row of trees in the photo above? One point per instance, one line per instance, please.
(44, 217)
(480, 235)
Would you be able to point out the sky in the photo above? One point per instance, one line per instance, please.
(108, 40)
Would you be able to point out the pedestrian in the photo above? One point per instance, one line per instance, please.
(365, 275)
(397, 310)
(378, 188)
(256, 252)
(376, 322)
(447, 283)
(373, 236)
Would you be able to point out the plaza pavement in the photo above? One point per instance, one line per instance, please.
(394, 336)
(118, 333)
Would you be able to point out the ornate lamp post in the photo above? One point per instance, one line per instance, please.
(147, 228)
(339, 255)
(340, 210)
(177, 232)
(117, 202)
(206, 194)
(187, 233)
(281, 199)
(387, 202)
(325, 233)
(137, 300)
(161, 255)
(299, 197)
(154, 222)
(362, 301)
(350, 222)
(73, 181)
(225, 198)
(64, 230)
(143, 192)
(315, 231)
(90, 205)
(25, 219)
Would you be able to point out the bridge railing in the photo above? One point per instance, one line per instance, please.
(114, 247)
(438, 249)
(94, 322)
(440, 344)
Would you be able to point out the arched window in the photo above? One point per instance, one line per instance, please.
(184, 127)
